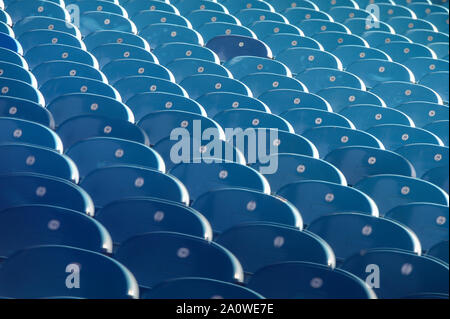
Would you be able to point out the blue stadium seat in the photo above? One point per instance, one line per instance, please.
(266, 29)
(98, 126)
(402, 51)
(249, 16)
(423, 113)
(162, 33)
(299, 59)
(353, 234)
(428, 221)
(21, 189)
(200, 84)
(303, 119)
(342, 14)
(183, 68)
(93, 21)
(227, 208)
(329, 138)
(342, 97)
(114, 51)
(108, 184)
(311, 27)
(298, 280)
(395, 93)
(73, 84)
(31, 39)
(19, 10)
(26, 110)
(202, 16)
(186, 6)
(394, 136)
(50, 225)
(102, 6)
(366, 116)
(178, 256)
(438, 176)
(13, 71)
(162, 124)
(402, 190)
(18, 89)
(245, 65)
(102, 277)
(201, 178)
(423, 66)
(282, 41)
(15, 130)
(6, 29)
(5, 18)
(23, 158)
(440, 251)
(422, 10)
(170, 51)
(441, 49)
(437, 81)
(315, 199)
(106, 152)
(427, 37)
(359, 26)
(283, 5)
(230, 46)
(359, 162)
(122, 68)
(103, 37)
(282, 100)
(133, 7)
(10, 43)
(295, 168)
(402, 273)
(144, 215)
(440, 129)
(88, 104)
(439, 20)
(403, 24)
(349, 54)
(234, 6)
(7, 55)
(387, 10)
(317, 79)
(263, 244)
(199, 288)
(216, 102)
(379, 38)
(54, 69)
(297, 14)
(145, 18)
(330, 40)
(260, 83)
(215, 29)
(424, 157)
(45, 23)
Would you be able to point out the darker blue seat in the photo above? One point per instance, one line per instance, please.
(230, 46)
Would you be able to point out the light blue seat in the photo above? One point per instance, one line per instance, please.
(216, 102)
(106, 185)
(104, 278)
(439, 20)
(282, 100)
(403, 273)
(7, 55)
(427, 37)
(359, 162)
(299, 59)
(282, 281)
(245, 65)
(365, 116)
(131, 85)
(248, 16)
(438, 176)
(234, 6)
(440, 129)
(58, 52)
(388, 10)
(403, 24)
(214, 29)
(19, 10)
(437, 81)
(341, 14)
(402, 190)
(303, 119)
(317, 79)
(394, 136)
(199, 288)
(6, 29)
(93, 21)
(264, 244)
(162, 124)
(106, 152)
(26, 110)
(423, 66)
(422, 10)
(168, 52)
(103, 37)
(230, 46)
(162, 33)
(23, 158)
(15, 130)
(349, 54)
(43, 23)
(342, 97)
(31, 39)
(379, 38)
(55, 69)
(441, 49)
(329, 138)
(145, 18)
(114, 51)
(88, 104)
(20, 89)
(352, 234)
(428, 221)
(296, 15)
(119, 69)
(423, 113)
(440, 251)
(260, 83)
(424, 157)
(22, 189)
(97, 126)
(146, 215)
(228, 208)
(402, 51)
(183, 68)
(188, 6)
(266, 29)
(201, 178)
(311, 27)
(282, 41)
(332, 39)
(133, 7)
(13, 71)
(202, 16)
(283, 5)
(395, 93)
(201, 84)
(50, 225)
(360, 25)
(295, 168)
(315, 199)
(178, 256)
